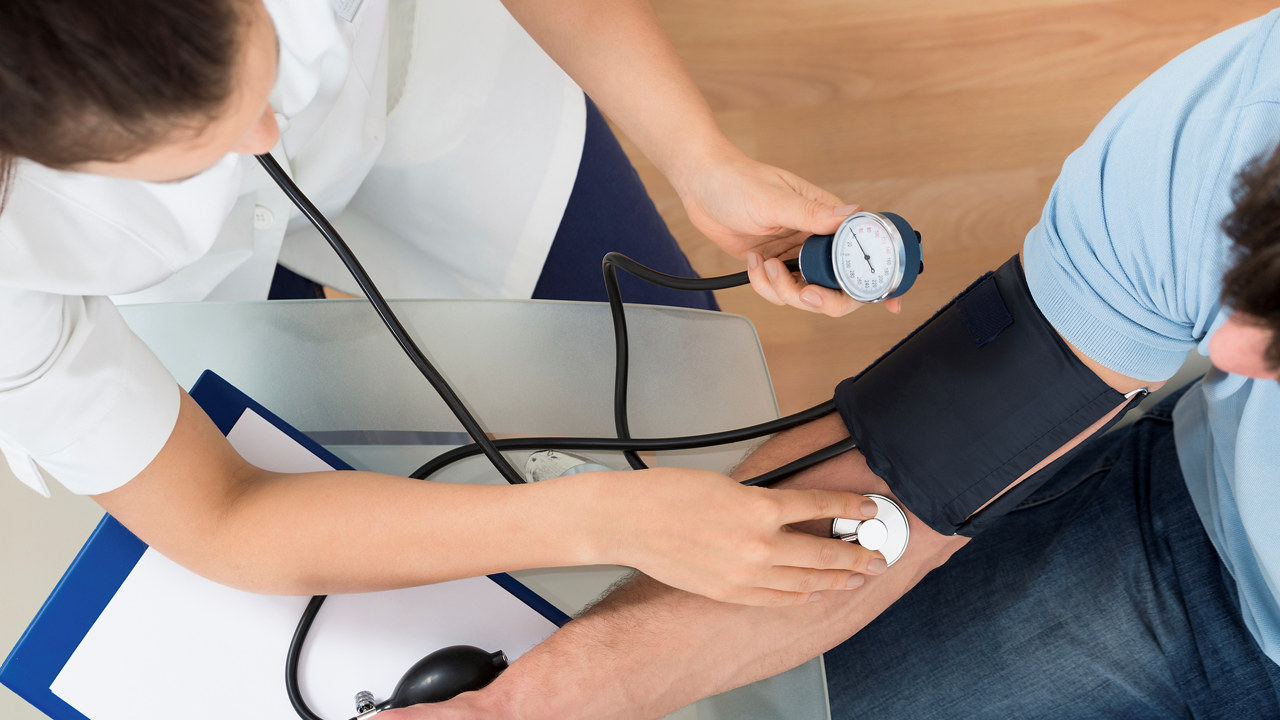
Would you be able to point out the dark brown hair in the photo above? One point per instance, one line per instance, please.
(1252, 285)
(84, 80)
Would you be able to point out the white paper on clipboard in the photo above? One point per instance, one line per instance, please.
(172, 644)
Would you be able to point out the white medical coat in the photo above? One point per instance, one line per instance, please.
(455, 191)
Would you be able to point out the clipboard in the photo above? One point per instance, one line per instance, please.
(80, 658)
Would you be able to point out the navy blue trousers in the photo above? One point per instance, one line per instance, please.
(608, 210)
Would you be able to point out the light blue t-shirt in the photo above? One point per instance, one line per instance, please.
(1127, 263)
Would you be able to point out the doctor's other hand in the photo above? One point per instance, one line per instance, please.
(705, 533)
(772, 281)
(743, 204)
(758, 212)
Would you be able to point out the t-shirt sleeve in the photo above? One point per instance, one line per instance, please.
(81, 397)
(1089, 278)
(1126, 260)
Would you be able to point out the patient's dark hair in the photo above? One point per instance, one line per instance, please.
(84, 80)
(1252, 285)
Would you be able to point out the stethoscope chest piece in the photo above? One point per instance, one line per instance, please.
(887, 532)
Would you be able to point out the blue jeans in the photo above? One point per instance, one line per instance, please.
(1100, 597)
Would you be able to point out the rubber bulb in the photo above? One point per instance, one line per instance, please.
(445, 673)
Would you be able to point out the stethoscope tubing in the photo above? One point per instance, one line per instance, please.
(411, 349)
(492, 449)
(686, 442)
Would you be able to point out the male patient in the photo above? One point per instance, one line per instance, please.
(1141, 578)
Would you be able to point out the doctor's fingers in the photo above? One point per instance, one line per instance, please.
(804, 580)
(796, 505)
(801, 552)
(774, 282)
(822, 580)
(796, 586)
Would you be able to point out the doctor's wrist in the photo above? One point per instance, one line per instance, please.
(691, 162)
(594, 518)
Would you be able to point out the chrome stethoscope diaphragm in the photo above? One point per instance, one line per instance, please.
(887, 532)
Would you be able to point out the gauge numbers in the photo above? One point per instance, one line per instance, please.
(867, 255)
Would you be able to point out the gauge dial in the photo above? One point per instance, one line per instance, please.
(867, 257)
(870, 257)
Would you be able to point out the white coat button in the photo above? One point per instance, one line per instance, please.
(282, 122)
(263, 218)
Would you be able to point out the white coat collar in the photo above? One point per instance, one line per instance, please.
(310, 44)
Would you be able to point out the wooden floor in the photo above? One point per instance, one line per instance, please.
(956, 115)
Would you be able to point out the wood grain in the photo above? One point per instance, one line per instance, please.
(956, 115)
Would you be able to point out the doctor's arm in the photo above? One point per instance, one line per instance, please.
(200, 504)
(647, 649)
(618, 53)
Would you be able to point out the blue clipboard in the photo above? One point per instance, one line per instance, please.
(110, 554)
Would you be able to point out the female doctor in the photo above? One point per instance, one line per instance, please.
(460, 161)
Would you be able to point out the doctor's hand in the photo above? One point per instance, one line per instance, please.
(707, 534)
(771, 279)
(744, 205)
(763, 215)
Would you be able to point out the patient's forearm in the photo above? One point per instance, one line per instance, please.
(648, 649)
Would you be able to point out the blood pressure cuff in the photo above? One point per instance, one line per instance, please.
(970, 401)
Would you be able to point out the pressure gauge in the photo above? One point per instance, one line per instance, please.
(871, 257)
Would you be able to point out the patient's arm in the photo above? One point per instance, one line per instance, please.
(647, 649)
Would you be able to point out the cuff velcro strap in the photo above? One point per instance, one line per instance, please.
(970, 401)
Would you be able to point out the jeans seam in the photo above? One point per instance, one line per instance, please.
(1157, 414)
(1034, 500)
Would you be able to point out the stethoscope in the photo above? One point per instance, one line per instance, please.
(871, 257)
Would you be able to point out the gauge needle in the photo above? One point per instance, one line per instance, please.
(865, 256)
